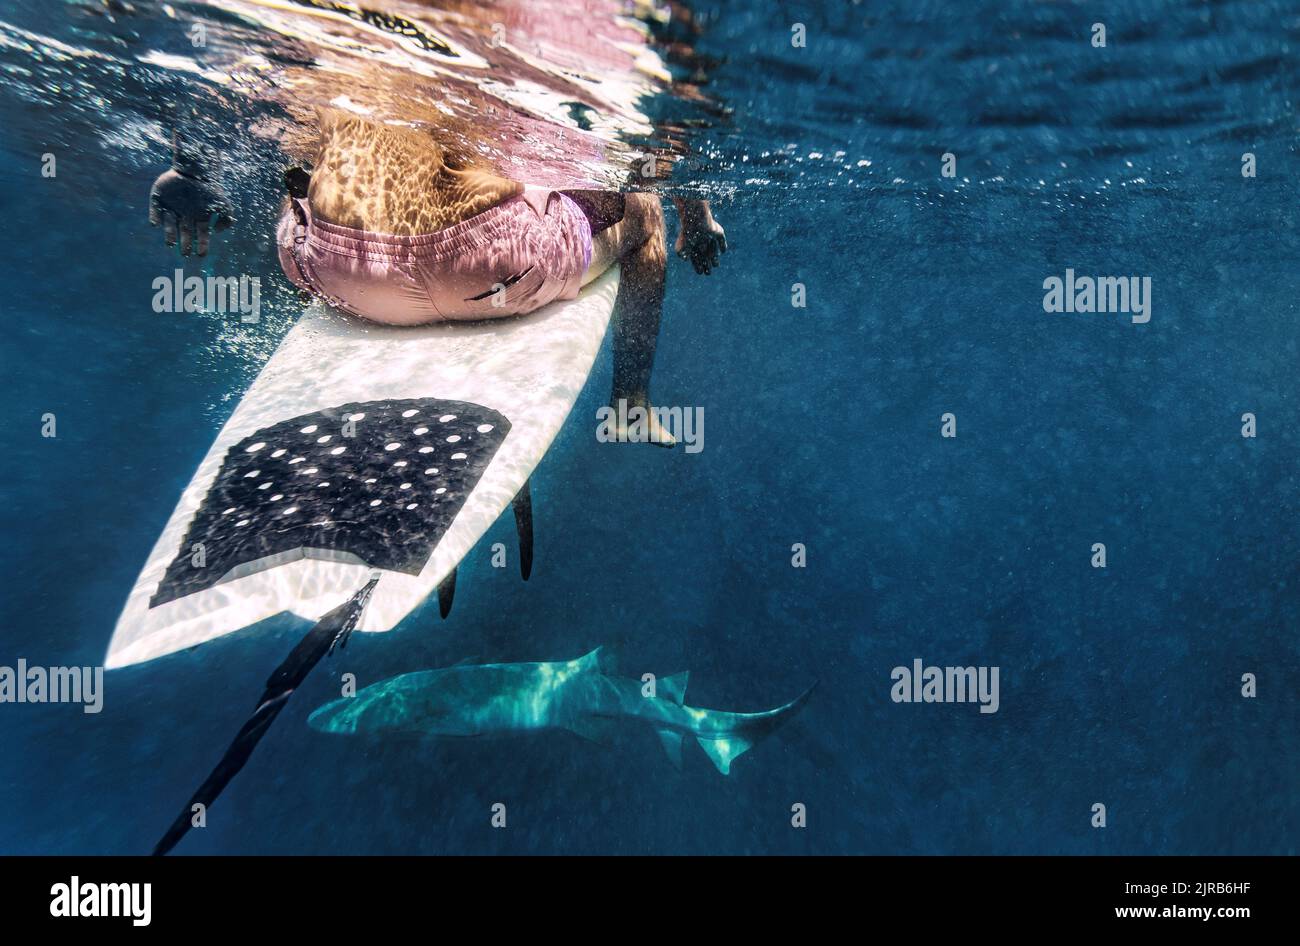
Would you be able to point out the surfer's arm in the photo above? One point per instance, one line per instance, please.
(185, 197)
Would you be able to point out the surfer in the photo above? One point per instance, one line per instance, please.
(399, 228)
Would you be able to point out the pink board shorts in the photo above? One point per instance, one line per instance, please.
(511, 259)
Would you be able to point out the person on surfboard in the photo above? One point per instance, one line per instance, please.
(397, 228)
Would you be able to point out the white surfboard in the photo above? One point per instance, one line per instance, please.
(361, 450)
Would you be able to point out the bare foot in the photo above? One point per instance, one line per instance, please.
(632, 420)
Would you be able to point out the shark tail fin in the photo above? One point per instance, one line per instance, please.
(750, 728)
(724, 751)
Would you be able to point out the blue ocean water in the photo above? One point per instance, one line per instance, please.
(924, 296)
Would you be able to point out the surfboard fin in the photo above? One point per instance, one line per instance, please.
(446, 592)
(523, 506)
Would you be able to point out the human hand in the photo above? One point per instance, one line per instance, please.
(700, 239)
(185, 197)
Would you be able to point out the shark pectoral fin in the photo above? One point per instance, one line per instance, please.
(724, 751)
(672, 745)
(674, 687)
(594, 729)
(446, 593)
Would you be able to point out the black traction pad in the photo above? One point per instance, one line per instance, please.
(304, 488)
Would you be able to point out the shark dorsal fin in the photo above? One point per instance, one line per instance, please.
(674, 688)
(599, 660)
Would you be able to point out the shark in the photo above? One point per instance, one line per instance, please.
(583, 696)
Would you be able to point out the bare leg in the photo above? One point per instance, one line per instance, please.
(637, 243)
